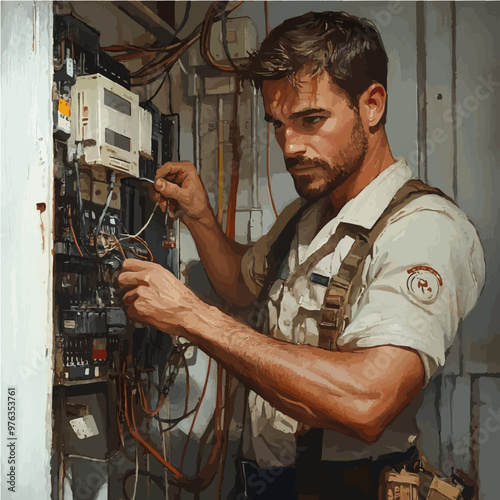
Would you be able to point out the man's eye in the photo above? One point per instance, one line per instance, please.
(312, 120)
(277, 124)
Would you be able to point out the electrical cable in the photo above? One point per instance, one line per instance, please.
(184, 19)
(150, 99)
(130, 419)
(136, 472)
(186, 369)
(170, 93)
(174, 422)
(268, 142)
(200, 399)
(111, 187)
(266, 17)
(223, 19)
(235, 167)
(158, 480)
(80, 209)
(220, 160)
(73, 231)
(206, 30)
(268, 171)
(170, 46)
(62, 48)
(144, 227)
(92, 459)
(167, 61)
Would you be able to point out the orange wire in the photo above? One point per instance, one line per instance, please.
(269, 173)
(144, 403)
(200, 399)
(130, 418)
(140, 256)
(120, 247)
(266, 17)
(73, 232)
(143, 242)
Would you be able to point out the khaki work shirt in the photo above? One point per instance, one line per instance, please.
(425, 273)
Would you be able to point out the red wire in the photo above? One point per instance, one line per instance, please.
(269, 173)
(266, 17)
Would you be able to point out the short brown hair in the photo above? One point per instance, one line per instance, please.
(350, 49)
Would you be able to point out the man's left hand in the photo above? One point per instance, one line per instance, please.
(154, 296)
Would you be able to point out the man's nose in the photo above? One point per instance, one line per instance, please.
(293, 143)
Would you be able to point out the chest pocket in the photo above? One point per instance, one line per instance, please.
(310, 289)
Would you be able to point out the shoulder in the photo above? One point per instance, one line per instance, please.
(430, 216)
(434, 232)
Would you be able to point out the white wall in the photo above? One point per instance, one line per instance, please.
(26, 240)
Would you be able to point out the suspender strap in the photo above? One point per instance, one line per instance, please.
(334, 317)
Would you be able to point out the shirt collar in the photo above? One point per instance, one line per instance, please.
(365, 209)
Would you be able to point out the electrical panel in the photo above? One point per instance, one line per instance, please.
(107, 145)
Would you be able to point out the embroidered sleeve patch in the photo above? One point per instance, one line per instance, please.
(424, 283)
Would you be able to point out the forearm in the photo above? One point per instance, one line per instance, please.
(317, 387)
(221, 259)
(358, 392)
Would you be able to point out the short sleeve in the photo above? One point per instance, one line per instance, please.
(253, 263)
(425, 274)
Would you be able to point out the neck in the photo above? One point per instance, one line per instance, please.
(378, 158)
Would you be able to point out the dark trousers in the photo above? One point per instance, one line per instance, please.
(353, 480)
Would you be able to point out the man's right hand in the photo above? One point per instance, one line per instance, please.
(180, 183)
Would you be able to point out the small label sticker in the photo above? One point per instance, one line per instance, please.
(69, 324)
(424, 283)
(84, 427)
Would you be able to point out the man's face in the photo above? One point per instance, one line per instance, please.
(321, 135)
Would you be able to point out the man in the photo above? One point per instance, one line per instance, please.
(323, 81)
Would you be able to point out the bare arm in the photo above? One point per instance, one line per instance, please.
(357, 393)
(221, 257)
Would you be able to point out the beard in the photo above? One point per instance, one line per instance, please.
(333, 174)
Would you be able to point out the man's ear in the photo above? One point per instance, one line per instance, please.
(372, 104)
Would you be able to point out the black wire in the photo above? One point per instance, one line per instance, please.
(152, 80)
(80, 210)
(184, 19)
(160, 53)
(174, 421)
(223, 19)
(170, 93)
(159, 87)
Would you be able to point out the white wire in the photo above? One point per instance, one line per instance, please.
(84, 457)
(145, 225)
(136, 473)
